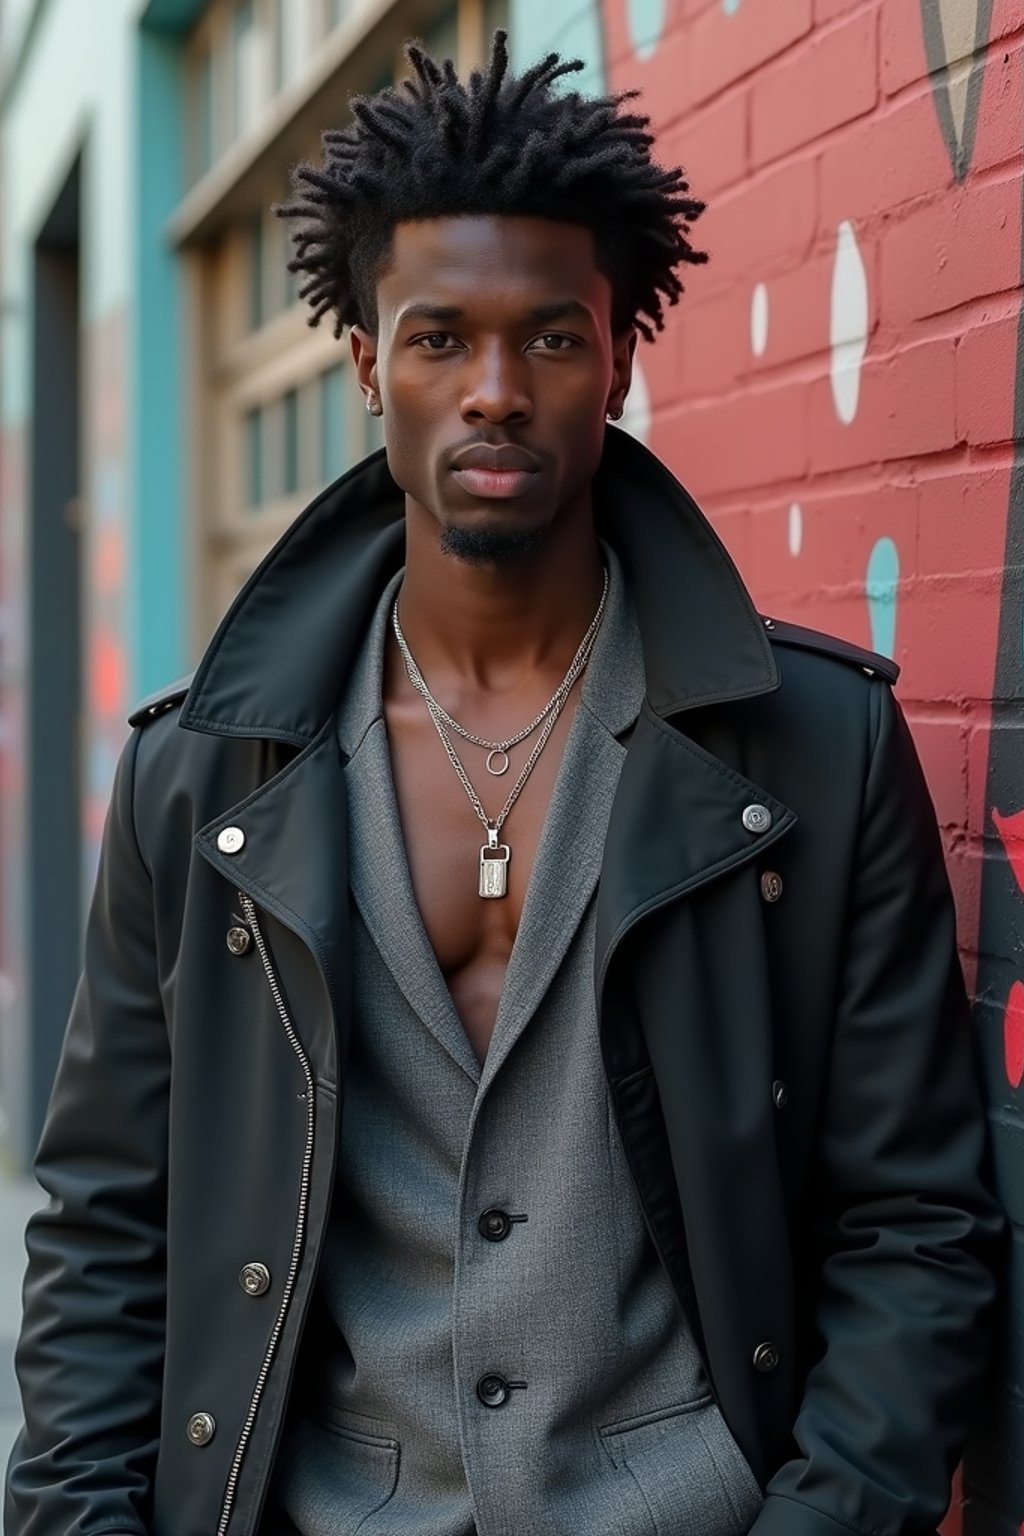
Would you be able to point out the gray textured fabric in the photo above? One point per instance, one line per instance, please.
(615, 1432)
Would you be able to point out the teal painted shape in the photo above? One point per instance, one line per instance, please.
(156, 585)
(882, 587)
(646, 24)
(537, 27)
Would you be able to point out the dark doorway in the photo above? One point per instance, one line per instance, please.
(55, 665)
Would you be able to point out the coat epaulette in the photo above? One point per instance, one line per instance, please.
(829, 645)
(158, 703)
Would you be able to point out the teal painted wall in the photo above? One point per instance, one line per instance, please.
(156, 592)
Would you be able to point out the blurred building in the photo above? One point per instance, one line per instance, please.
(165, 410)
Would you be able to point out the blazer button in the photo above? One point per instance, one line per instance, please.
(231, 840)
(254, 1279)
(201, 1428)
(494, 1225)
(780, 1094)
(766, 1358)
(239, 941)
(492, 1391)
(771, 885)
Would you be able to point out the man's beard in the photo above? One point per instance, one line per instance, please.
(491, 546)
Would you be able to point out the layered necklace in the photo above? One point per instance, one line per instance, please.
(495, 855)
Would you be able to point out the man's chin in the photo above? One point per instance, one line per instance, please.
(492, 545)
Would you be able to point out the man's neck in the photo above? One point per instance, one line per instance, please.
(487, 626)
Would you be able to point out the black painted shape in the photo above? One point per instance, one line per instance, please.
(960, 154)
(994, 1464)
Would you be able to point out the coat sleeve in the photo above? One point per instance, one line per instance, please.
(90, 1355)
(905, 1232)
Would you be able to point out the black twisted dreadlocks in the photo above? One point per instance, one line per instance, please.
(433, 147)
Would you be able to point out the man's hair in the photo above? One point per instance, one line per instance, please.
(432, 147)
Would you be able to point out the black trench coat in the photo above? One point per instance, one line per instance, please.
(782, 1020)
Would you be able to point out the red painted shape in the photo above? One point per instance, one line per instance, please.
(1011, 832)
(106, 674)
(1013, 1034)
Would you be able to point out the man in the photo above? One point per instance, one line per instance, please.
(521, 1077)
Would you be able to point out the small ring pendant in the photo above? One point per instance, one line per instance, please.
(497, 772)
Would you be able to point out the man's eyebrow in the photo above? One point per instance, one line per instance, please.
(431, 312)
(561, 309)
(540, 314)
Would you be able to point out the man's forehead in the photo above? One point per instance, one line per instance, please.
(531, 261)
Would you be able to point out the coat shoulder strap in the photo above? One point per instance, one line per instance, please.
(870, 662)
(158, 703)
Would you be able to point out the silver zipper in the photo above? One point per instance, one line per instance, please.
(300, 1221)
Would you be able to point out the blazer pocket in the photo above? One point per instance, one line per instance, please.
(687, 1468)
(335, 1473)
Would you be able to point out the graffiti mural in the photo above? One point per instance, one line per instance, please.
(842, 388)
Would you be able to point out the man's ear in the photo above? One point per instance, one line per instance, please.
(364, 357)
(624, 347)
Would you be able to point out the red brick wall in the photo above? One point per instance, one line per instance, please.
(842, 388)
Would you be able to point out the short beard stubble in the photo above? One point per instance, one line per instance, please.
(492, 546)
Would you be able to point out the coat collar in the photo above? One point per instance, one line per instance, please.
(276, 665)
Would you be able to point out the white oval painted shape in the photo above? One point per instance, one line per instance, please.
(759, 320)
(849, 328)
(796, 529)
(636, 418)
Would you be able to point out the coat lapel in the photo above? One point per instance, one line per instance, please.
(293, 863)
(677, 823)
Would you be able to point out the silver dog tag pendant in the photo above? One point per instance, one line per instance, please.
(494, 870)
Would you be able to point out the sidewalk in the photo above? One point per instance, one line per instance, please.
(19, 1197)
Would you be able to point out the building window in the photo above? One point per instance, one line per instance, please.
(290, 443)
(245, 65)
(254, 458)
(205, 141)
(291, 39)
(495, 16)
(442, 39)
(333, 445)
(257, 307)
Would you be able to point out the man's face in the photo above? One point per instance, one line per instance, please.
(496, 366)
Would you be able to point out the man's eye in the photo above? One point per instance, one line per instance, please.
(431, 339)
(561, 343)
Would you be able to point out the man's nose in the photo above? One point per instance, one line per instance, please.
(498, 386)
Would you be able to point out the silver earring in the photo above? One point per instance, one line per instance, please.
(374, 406)
(616, 414)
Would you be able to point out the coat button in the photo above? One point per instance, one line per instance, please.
(231, 840)
(766, 1358)
(201, 1428)
(780, 1094)
(494, 1225)
(239, 941)
(757, 819)
(254, 1279)
(771, 885)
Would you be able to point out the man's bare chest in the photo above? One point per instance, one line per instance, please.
(472, 937)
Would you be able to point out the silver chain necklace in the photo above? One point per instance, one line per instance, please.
(495, 856)
(500, 749)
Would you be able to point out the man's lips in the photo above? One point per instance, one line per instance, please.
(500, 484)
